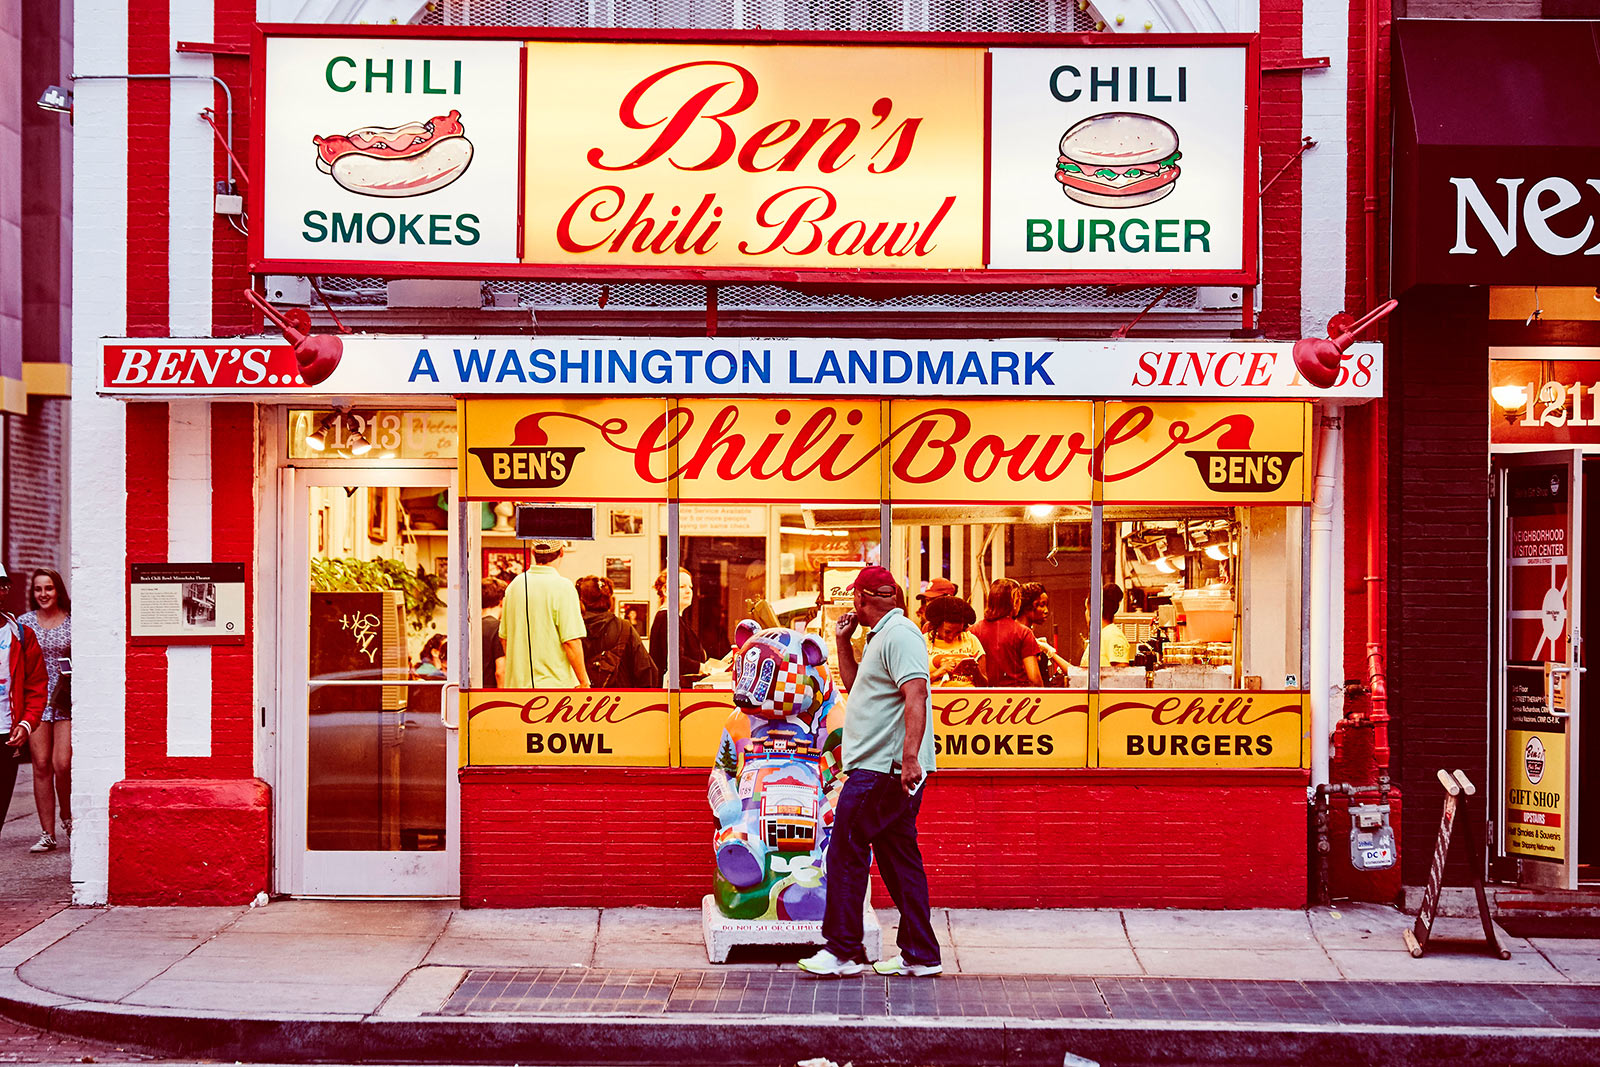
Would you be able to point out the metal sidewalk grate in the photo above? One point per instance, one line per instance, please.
(572, 991)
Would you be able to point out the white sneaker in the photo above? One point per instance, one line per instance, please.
(46, 843)
(898, 965)
(826, 965)
(66, 827)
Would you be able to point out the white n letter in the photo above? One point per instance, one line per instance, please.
(1504, 235)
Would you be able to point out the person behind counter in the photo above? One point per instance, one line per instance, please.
(1114, 648)
(613, 651)
(693, 663)
(1011, 650)
(936, 589)
(1033, 611)
(955, 656)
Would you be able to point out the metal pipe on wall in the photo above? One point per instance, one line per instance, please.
(1321, 680)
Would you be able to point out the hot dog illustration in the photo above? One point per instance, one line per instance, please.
(408, 160)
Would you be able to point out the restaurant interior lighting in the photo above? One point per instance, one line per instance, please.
(1510, 399)
(1041, 511)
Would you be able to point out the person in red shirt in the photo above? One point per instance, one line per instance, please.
(1011, 651)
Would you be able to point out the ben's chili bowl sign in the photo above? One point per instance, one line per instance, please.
(754, 155)
(803, 450)
(695, 366)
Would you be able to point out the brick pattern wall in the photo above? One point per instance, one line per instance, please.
(553, 837)
(149, 123)
(1280, 140)
(1438, 535)
(146, 751)
(230, 315)
(36, 492)
(233, 533)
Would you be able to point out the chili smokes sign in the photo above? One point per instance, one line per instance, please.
(390, 150)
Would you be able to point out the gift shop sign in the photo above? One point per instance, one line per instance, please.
(795, 451)
(391, 151)
(1039, 368)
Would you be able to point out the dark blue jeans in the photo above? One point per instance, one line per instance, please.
(874, 817)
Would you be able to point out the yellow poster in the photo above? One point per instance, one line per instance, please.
(1011, 452)
(701, 717)
(1536, 800)
(1011, 727)
(760, 156)
(1202, 728)
(775, 451)
(564, 728)
(1206, 453)
(583, 449)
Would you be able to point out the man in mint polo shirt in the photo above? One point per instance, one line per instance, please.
(888, 752)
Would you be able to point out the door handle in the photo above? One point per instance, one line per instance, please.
(445, 704)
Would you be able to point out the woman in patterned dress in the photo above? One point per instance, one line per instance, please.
(51, 743)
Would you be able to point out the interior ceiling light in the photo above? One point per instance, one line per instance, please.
(1041, 511)
(1510, 398)
(1537, 312)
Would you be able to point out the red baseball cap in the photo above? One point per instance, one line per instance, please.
(937, 588)
(876, 580)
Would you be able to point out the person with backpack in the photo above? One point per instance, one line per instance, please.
(612, 650)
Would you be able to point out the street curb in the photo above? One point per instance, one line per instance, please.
(739, 1040)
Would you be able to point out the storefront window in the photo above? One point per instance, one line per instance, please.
(1201, 598)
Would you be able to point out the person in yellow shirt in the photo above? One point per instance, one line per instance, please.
(1114, 648)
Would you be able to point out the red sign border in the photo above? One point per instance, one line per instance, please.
(1248, 275)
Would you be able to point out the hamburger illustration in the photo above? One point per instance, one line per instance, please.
(1119, 159)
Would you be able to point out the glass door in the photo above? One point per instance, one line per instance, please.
(1539, 567)
(370, 743)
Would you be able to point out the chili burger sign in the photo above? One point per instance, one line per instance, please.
(731, 157)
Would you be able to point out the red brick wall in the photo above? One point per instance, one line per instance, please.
(147, 543)
(1438, 535)
(554, 837)
(1280, 140)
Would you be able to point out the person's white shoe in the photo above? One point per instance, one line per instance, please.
(46, 843)
(898, 965)
(826, 965)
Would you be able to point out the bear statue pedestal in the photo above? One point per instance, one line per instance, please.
(723, 933)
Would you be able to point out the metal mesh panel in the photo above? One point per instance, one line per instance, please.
(839, 16)
(371, 292)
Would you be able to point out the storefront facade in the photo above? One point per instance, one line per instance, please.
(1491, 407)
(309, 535)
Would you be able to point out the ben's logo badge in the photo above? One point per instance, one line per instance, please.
(1244, 472)
(531, 462)
(1533, 758)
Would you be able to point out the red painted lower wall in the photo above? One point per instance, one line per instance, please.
(190, 842)
(544, 837)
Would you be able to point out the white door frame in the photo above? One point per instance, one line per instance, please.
(365, 874)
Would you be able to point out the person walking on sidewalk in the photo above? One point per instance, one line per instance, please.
(24, 688)
(888, 754)
(51, 743)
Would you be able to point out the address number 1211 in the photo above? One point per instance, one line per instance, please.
(1561, 405)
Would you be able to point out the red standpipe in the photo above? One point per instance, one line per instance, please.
(1377, 684)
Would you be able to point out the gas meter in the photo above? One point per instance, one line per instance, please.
(1371, 837)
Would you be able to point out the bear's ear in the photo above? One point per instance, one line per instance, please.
(813, 651)
(745, 631)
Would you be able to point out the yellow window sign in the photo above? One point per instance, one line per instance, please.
(778, 450)
(1010, 727)
(1536, 802)
(564, 728)
(1203, 728)
(1006, 451)
(575, 449)
(1253, 453)
(757, 156)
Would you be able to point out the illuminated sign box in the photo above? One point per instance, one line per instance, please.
(391, 151)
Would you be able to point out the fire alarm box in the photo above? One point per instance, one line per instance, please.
(1372, 845)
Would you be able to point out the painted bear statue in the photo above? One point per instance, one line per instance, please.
(769, 787)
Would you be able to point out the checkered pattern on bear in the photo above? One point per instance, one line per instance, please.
(788, 692)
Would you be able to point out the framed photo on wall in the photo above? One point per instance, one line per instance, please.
(627, 522)
(377, 514)
(637, 614)
(619, 571)
(504, 563)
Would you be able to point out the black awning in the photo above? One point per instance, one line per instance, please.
(1497, 135)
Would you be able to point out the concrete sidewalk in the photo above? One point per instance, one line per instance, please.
(298, 980)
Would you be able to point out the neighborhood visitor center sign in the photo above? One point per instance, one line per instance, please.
(391, 151)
